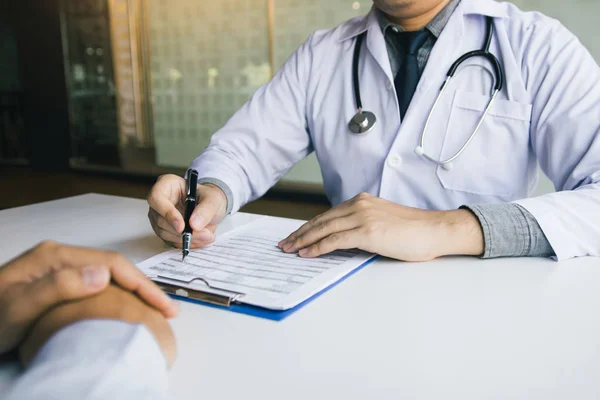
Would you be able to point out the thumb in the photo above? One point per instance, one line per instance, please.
(63, 285)
(205, 212)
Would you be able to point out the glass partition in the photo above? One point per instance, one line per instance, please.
(207, 58)
(91, 84)
(150, 81)
(13, 147)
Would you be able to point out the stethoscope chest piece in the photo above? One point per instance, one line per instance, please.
(362, 122)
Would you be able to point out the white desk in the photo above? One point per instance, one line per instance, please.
(456, 328)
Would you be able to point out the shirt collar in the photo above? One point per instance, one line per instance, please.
(358, 25)
(436, 26)
(488, 8)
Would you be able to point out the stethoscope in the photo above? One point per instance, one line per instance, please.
(364, 121)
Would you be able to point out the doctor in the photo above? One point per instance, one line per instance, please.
(419, 172)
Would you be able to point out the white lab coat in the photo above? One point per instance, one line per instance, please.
(548, 111)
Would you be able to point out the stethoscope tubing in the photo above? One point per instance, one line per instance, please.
(363, 121)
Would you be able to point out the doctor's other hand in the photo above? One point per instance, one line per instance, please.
(167, 205)
(389, 229)
(51, 274)
(113, 303)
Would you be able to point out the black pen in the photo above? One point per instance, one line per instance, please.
(190, 204)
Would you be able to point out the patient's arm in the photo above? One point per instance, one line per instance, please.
(114, 304)
(111, 346)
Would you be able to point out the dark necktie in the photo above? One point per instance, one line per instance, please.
(408, 76)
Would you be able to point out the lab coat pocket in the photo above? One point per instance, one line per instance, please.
(495, 162)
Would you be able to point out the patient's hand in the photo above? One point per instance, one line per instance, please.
(113, 303)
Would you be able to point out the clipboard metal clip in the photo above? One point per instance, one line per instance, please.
(225, 298)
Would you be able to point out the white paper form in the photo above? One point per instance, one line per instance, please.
(247, 261)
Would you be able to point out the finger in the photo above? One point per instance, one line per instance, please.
(49, 256)
(157, 229)
(199, 239)
(123, 273)
(211, 227)
(16, 269)
(205, 212)
(129, 277)
(340, 211)
(163, 202)
(30, 300)
(342, 240)
(321, 230)
(63, 285)
(160, 222)
(205, 234)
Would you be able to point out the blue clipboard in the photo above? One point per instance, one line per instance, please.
(273, 315)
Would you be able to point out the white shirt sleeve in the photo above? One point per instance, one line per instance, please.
(93, 360)
(564, 81)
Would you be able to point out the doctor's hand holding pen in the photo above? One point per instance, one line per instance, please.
(389, 229)
(167, 205)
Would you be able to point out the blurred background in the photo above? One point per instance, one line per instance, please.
(105, 95)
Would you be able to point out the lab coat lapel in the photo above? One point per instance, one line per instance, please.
(376, 44)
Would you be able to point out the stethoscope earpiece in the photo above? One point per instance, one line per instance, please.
(420, 151)
(448, 166)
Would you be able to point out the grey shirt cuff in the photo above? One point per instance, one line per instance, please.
(509, 230)
(223, 186)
